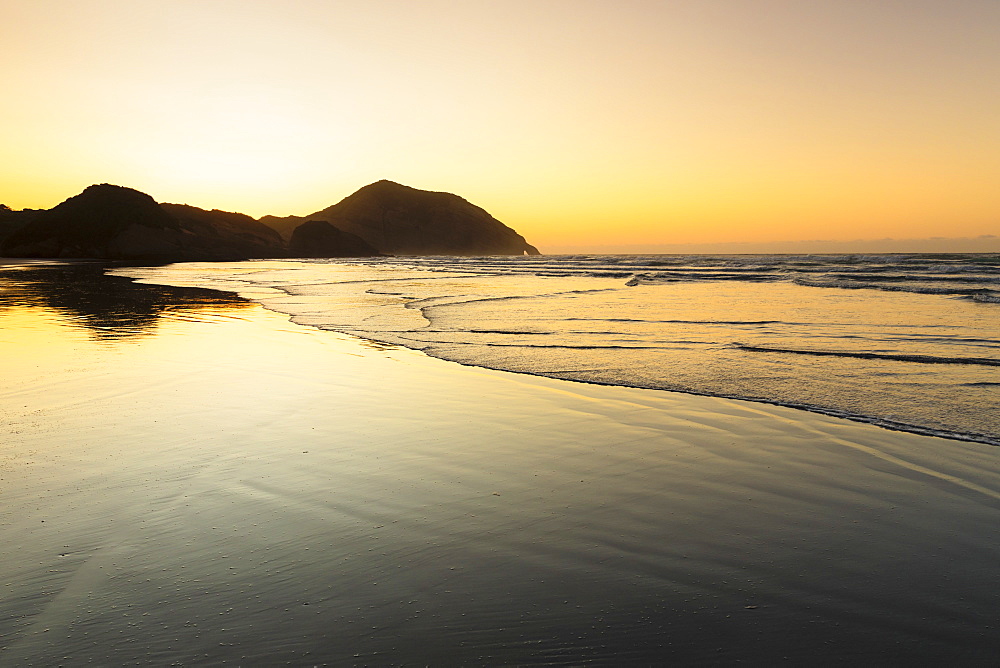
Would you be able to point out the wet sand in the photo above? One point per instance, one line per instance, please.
(195, 480)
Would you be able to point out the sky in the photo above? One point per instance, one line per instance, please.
(583, 124)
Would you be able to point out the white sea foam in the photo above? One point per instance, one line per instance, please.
(892, 349)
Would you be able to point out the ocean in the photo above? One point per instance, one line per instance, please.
(904, 341)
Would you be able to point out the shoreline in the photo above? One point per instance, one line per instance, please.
(880, 423)
(217, 483)
(254, 293)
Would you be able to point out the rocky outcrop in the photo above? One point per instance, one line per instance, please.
(112, 222)
(400, 220)
(236, 231)
(11, 221)
(117, 223)
(318, 238)
(283, 226)
(101, 222)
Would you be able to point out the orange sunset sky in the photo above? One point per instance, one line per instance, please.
(580, 123)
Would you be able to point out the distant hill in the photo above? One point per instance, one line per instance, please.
(318, 238)
(284, 225)
(117, 223)
(400, 220)
(11, 221)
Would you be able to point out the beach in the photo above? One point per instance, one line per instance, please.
(904, 341)
(189, 478)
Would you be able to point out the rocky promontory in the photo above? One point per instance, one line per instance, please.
(117, 223)
(318, 238)
(400, 220)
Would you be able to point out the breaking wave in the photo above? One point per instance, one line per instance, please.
(920, 359)
(903, 341)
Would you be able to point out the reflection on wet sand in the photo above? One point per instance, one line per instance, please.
(241, 490)
(109, 307)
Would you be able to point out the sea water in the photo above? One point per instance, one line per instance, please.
(908, 342)
(189, 479)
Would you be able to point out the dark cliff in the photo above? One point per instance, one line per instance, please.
(236, 231)
(118, 223)
(318, 238)
(400, 220)
(11, 221)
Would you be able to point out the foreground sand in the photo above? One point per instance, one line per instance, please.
(225, 487)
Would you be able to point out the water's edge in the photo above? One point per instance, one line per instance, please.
(875, 421)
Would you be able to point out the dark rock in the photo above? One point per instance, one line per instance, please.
(400, 220)
(88, 225)
(11, 221)
(227, 231)
(318, 238)
(117, 223)
(283, 226)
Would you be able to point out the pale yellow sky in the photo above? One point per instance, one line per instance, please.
(576, 122)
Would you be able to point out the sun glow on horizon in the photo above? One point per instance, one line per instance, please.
(575, 122)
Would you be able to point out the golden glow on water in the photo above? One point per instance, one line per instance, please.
(577, 123)
(229, 485)
(786, 330)
(30, 334)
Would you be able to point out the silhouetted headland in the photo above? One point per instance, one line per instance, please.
(318, 238)
(116, 223)
(400, 220)
(11, 221)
